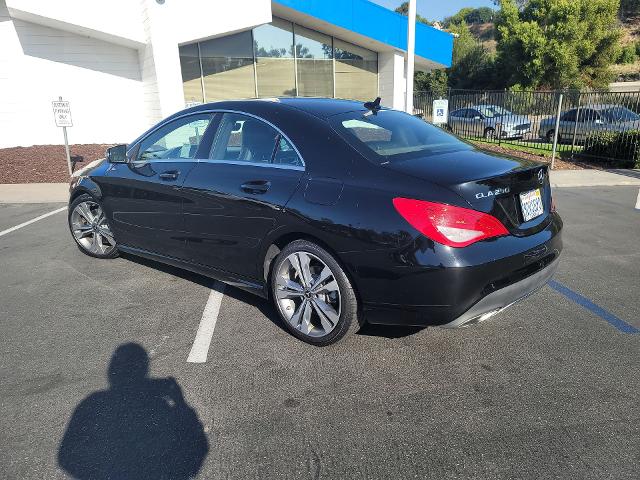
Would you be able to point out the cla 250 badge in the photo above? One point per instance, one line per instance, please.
(492, 193)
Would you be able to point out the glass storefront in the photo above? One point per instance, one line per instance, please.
(275, 63)
(277, 59)
(227, 67)
(314, 55)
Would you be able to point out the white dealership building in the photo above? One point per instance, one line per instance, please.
(125, 64)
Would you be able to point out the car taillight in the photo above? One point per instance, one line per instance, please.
(449, 225)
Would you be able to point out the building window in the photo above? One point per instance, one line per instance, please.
(314, 57)
(279, 59)
(275, 65)
(356, 71)
(191, 74)
(227, 67)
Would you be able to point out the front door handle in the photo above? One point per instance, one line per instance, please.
(170, 175)
(256, 186)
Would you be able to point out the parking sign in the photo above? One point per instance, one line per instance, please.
(62, 113)
(440, 111)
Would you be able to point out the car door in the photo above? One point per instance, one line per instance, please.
(567, 125)
(456, 120)
(588, 124)
(143, 196)
(475, 123)
(236, 196)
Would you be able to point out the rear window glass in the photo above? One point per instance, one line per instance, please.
(391, 135)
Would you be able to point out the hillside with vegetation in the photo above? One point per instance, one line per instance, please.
(539, 44)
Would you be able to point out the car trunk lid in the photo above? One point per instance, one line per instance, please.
(489, 183)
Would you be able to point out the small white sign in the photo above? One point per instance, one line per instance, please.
(62, 113)
(440, 111)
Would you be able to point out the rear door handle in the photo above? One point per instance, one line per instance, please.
(170, 175)
(256, 186)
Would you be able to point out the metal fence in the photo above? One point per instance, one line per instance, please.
(599, 126)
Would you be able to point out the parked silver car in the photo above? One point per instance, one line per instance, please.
(587, 121)
(488, 121)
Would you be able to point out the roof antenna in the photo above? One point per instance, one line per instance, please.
(373, 107)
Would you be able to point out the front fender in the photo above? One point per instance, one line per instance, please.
(82, 184)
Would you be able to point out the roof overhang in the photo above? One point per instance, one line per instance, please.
(369, 25)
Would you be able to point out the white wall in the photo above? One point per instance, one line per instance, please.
(116, 21)
(391, 79)
(38, 64)
(117, 62)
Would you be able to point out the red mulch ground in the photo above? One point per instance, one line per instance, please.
(44, 163)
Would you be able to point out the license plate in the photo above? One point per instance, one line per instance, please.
(531, 204)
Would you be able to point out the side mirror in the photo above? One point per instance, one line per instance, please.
(117, 154)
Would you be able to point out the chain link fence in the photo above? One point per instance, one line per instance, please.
(599, 126)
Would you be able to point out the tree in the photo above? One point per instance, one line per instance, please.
(403, 9)
(558, 43)
(435, 81)
(470, 16)
(471, 65)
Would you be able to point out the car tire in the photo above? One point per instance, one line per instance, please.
(89, 228)
(313, 295)
(489, 133)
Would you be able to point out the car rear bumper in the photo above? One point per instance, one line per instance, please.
(505, 297)
(429, 284)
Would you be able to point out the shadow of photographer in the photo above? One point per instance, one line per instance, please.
(139, 428)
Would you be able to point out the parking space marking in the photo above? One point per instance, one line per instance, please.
(200, 347)
(638, 201)
(593, 308)
(33, 220)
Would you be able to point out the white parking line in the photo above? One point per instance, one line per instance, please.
(638, 201)
(200, 347)
(13, 229)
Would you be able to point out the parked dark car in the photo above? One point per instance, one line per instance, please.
(588, 121)
(337, 211)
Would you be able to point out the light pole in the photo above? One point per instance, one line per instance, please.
(411, 40)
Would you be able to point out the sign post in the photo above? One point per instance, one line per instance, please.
(62, 114)
(440, 111)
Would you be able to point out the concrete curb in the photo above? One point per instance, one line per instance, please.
(594, 178)
(34, 192)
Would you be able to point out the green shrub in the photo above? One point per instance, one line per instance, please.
(638, 48)
(627, 54)
(621, 149)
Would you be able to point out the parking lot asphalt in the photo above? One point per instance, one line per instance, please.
(545, 389)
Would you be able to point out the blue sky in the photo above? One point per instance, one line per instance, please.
(437, 9)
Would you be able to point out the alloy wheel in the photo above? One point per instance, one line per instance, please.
(90, 229)
(308, 294)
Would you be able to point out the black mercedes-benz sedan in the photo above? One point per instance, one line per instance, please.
(338, 212)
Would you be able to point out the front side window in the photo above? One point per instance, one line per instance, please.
(178, 140)
(491, 111)
(393, 136)
(570, 116)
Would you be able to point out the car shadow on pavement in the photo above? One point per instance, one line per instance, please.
(140, 427)
(260, 303)
(265, 307)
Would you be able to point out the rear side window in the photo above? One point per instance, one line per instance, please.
(241, 138)
(390, 135)
(178, 139)
(570, 116)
